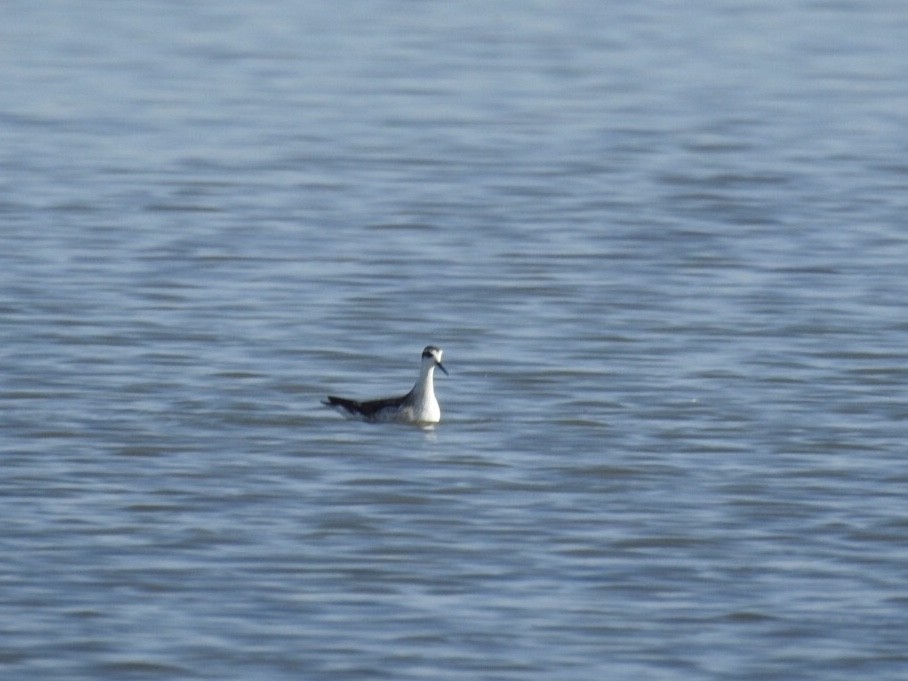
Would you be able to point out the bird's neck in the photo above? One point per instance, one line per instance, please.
(425, 385)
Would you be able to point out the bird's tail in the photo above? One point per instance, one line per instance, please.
(342, 402)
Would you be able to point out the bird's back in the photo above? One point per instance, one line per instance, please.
(370, 410)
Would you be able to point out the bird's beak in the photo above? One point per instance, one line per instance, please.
(440, 366)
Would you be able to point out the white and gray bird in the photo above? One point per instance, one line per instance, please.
(417, 406)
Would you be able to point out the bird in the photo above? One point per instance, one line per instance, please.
(418, 406)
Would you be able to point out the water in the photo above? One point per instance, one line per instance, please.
(663, 246)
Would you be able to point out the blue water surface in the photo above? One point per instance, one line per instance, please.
(664, 249)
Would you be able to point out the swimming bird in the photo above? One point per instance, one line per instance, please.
(417, 406)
